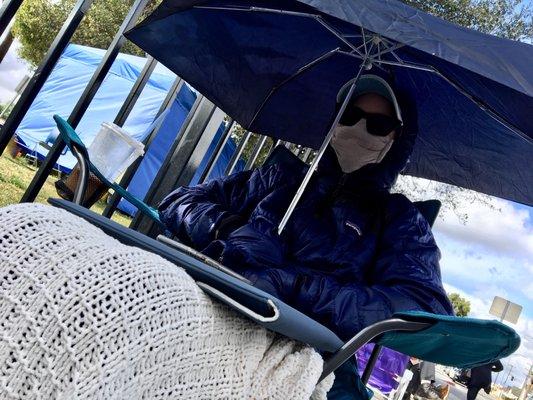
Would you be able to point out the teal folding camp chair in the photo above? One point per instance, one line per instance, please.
(452, 341)
(76, 146)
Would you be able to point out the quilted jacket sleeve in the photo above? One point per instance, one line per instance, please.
(406, 277)
(194, 214)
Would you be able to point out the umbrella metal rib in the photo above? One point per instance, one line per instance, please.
(381, 46)
(291, 77)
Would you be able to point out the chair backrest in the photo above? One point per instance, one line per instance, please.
(281, 154)
(429, 209)
(75, 144)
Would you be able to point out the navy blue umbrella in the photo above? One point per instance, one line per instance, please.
(276, 67)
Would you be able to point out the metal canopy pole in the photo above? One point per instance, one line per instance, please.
(255, 152)
(318, 157)
(135, 91)
(137, 219)
(132, 169)
(237, 154)
(43, 71)
(164, 166)
(207, 135)
(179, 165)
(85, 100)
(206, 173)
(7, 12)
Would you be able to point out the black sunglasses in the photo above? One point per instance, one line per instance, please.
(376, 124)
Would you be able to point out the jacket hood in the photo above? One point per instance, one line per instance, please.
(381, 176)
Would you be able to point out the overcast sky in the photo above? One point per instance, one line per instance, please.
(12, 70)
(491, 254)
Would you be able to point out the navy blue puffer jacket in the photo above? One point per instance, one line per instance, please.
(352, 253)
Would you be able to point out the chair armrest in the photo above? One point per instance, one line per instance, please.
(83, 180)
(199, 256)
(238, 306)
(371, 332)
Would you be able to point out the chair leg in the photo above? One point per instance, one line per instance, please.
(371, 363)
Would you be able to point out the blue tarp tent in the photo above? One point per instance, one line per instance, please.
(65, 85)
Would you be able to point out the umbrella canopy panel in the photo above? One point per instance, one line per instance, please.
(277, 66)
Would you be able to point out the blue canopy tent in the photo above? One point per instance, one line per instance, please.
(68, 80)
(276, 66)
(66, 83)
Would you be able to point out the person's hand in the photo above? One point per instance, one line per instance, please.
(228, 225)
(277, 282)
(251, 248)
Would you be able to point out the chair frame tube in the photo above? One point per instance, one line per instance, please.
(371, 363)
(83, 179)
(366, 335)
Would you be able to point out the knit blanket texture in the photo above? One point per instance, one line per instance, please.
(83, 316)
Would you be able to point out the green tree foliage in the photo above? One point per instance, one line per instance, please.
(7, 108)
(461, 306)
(38, 21)
(511, 19)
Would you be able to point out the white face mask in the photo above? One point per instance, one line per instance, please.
(355, 147)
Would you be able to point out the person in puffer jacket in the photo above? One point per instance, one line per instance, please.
(352, 253)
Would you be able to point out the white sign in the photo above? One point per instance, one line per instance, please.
(505, 310)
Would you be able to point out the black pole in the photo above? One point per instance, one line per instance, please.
(84, 101)
(135, 91)
(152, 190)
(182, 160)
(45, 68)
(7, 12)
(132, 169)
(186, 158)
(217, 152)
(5, 45)
(187, 166)
(371, 363)
(237, 153)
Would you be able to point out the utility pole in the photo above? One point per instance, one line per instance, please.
(507, 377)
(5, 44)
(528, 384)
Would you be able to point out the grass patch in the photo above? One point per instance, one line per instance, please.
(17, 182)
(15, 176)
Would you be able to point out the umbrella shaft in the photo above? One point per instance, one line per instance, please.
(318, 157)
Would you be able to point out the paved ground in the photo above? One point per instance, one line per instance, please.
(458, 391)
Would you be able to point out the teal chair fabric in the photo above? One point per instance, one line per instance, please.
(71, 138)
(455, 341)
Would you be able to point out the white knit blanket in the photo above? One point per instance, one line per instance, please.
(84, 317)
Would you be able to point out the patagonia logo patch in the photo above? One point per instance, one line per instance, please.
(354, 226)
